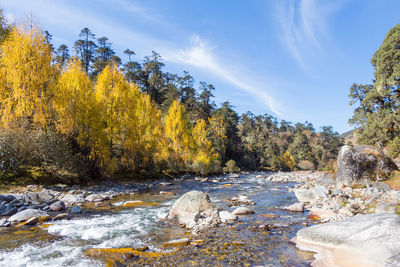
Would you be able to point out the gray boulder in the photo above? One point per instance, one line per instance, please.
(57, 206)
(361, 165)
(27, 214)
(363, 240)
(191, 202)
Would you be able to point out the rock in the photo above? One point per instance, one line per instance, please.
(10, 211)
(57, 206)
(32, 198)
(322, 213)
(70, 199)
(227, 217)
(382, 186)
(241, 200)
(4, 223)
(61, 216)
(242, 211)
(296, 207)
(259, 176)
(32, 221)
(363, 240)
(191, 202)
(27, 214)
(8, 198)
(176, 243)
(305, 195)
(22, 208)
(189, 220)
(76, 210)
(168, 193)
(382, 207)
(362, 165)
(45, 196)
(320, 192)
(95, 198)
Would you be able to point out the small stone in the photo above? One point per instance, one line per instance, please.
(242, 211)
(32, 221)
(57, 206)
(176, 243)
(61, 216)
(227, 217)
(296, 207)
(76, 210)
(10, 212)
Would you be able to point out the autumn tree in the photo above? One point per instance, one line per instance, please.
(27, 77)
(177, 131)
(205, 159)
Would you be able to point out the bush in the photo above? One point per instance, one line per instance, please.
(230, 167)
(288, 161)
(24, 152)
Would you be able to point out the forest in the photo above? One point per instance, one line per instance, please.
(82, 111)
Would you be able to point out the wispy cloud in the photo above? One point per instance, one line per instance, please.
(198, 53)
(303, 28)
(201, 55)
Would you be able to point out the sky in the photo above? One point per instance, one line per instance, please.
(293, 59)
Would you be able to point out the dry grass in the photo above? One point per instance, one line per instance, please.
(394, 180)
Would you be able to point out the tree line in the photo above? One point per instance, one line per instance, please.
(91, 114)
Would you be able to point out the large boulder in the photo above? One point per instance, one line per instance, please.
(362, 164)
(363, 240)
(27, 214)
(190, 203)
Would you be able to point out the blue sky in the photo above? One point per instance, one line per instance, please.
(292, 59)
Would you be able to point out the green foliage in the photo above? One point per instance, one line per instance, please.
(230, 167)
(377, 111)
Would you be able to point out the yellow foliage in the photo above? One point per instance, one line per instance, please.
(287, 160)
(26, 76)
(78, 113)
(178, 133)
(204, 154)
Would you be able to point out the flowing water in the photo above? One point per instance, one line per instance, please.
(62, 243)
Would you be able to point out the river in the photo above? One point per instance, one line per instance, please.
(63, 243)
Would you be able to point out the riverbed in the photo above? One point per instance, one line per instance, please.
(108, 225)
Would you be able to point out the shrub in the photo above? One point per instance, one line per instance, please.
(231, 167)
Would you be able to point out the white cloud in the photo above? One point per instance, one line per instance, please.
(303, 29)
(201, 55)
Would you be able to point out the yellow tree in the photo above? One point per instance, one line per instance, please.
(78, 113)
(143, 130)
(204, 157)
(177, 131)
(113, 97)
(217, 134)
(27, 77)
